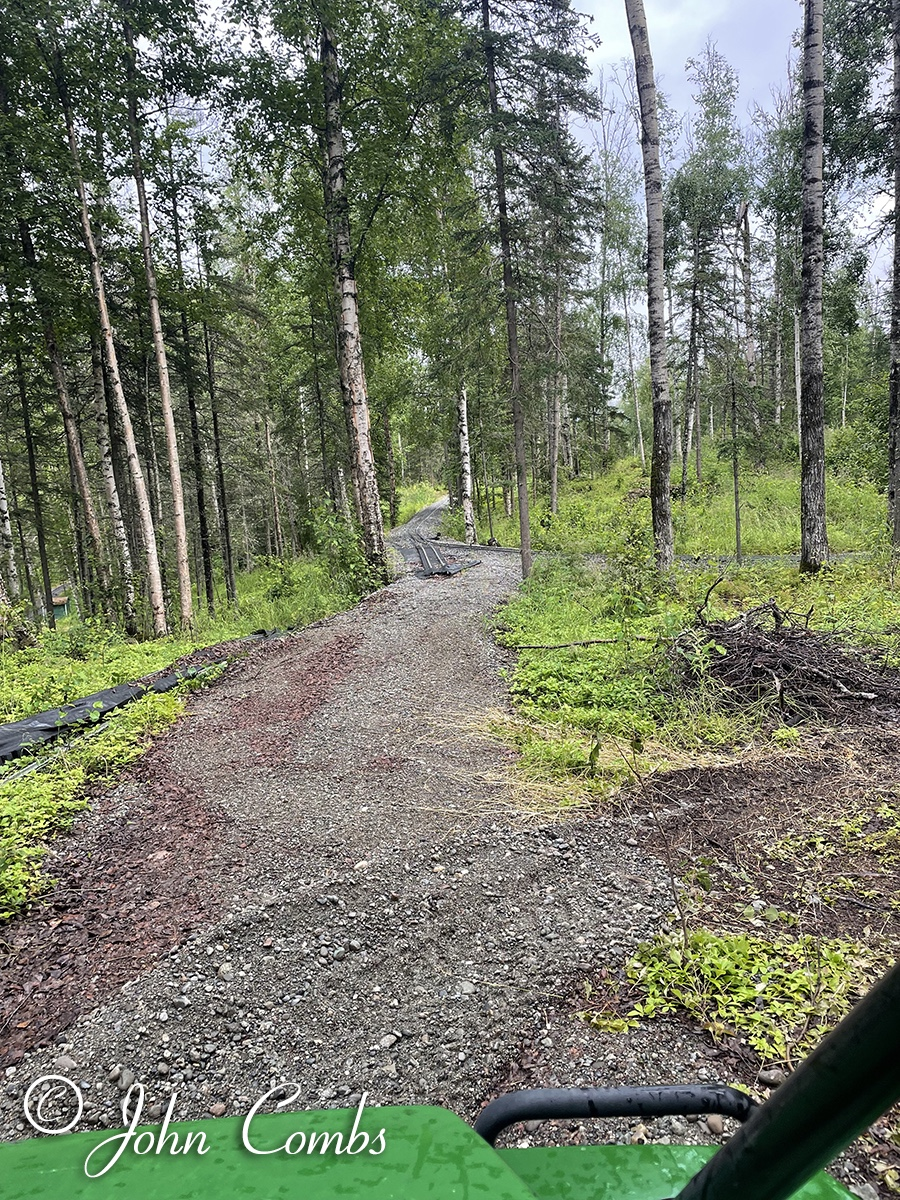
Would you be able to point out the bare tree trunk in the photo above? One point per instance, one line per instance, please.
(735, 475)
(510, 297)
(110, 487)
(142, 499)
(554, 415)
(813, 531)
(273, 487)
(36, 506)
(749, 339)
(631, 372)
(798, 387)
(79, 470)
(186, 599)
(70, 426)
(196, 450)
(894, 390)
(778, 381)
(224, 519)
(465, 458)
(661, 461)
(349, 343)
(6, 540)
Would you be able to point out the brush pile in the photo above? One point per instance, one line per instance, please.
(768, 652)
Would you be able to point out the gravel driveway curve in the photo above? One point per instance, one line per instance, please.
(374, 914)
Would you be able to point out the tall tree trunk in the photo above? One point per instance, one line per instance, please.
(735, 475)
(142, 499)
(224, 517)
(510, 297)
(392, 474)
(555, 416)
(6, 541)
(185, 595)
(894, 406)
(813, 531)
(661, 461)
(749, 338)
(798, 385)
(778, 373)
(349, 343)
(465, 458)
(632, 375)
(70, 425)
(36, 505)
(196, 448)
(690, 391)
(113, 505)
(273, 487)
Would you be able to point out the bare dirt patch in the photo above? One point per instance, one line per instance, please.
(814, 834)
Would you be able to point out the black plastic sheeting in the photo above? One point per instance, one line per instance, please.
(20, 737)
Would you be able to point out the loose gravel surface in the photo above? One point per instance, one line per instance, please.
(373, 913)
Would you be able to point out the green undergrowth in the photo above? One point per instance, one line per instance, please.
(37, 805)
(589, 511)
(778, 997)
(414, 496)
(82, 657)
(585, 711)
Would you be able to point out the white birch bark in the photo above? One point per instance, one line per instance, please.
(813, 531)
(350, 353)
(142, 499)
(113, 504)
(661, 460)
(185, 594)
(6, 540)
(465, 458)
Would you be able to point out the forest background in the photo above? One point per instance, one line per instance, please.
(274, 276)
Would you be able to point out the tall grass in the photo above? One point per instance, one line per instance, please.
(590, 511)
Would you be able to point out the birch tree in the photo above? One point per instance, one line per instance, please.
(661, 459)
(185, 594)
(813, 532)
(349, 341)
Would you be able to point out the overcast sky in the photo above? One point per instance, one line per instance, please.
(753, 35)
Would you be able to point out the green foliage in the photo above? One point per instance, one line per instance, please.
(414, 496)
(83, 657)
(46, 800)
(780, 997)
(595, 515)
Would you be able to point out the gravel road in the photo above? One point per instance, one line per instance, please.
(380, 916)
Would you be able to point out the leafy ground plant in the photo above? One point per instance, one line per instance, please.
(778, 997)
(39, 802)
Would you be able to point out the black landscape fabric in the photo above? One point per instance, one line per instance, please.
(19, 737)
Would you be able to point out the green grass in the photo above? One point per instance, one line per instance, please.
(779, 997)
(80, 657)
(414, 496)
(592, 717)
(629, 688)
(590, 510)
(45, 801)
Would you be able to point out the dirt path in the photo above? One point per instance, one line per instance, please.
(319, 875)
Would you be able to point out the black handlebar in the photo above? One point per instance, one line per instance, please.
(537, 1104)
